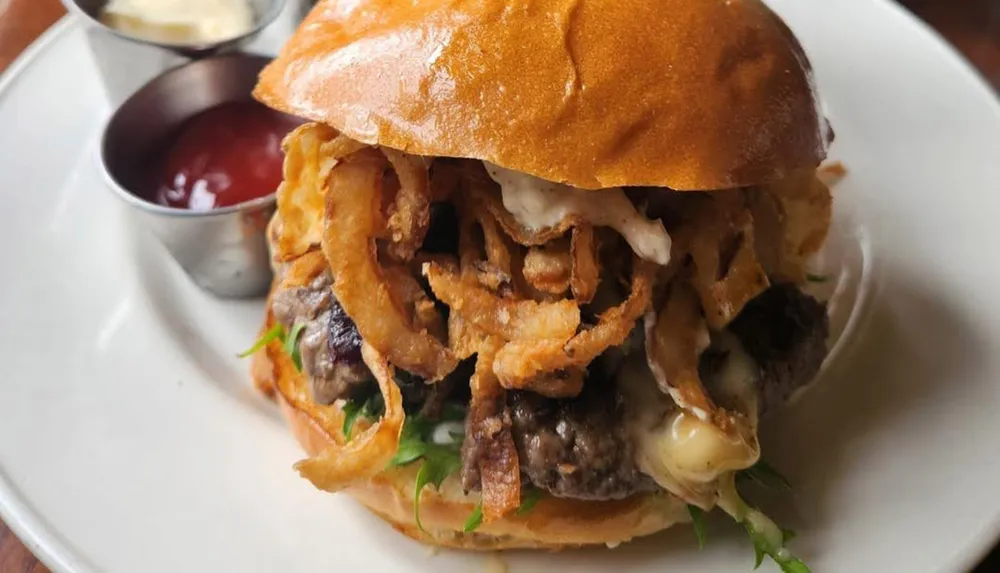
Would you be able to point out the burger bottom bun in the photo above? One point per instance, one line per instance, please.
(553, 523)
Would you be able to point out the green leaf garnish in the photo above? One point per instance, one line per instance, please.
(529, 501)
(788, 534)
(370, 409)
(763, 546)
(698, 521)
(439, 460)
(276, 332)
(758, 552)
(475, 519)
(292, 345)
(768, 539)
(816, 278)
(439, 463)
(764, 474)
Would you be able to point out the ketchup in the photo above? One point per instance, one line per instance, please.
(224, 156)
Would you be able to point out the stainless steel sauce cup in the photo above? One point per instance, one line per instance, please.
(127, 62)
(224, 251)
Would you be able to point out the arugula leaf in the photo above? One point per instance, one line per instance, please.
(816, 278)
(529, 501)
(439, 463)
(370, 409)
(764, 474)
(276, 332)
(351, 411)
(763, 546)
(698, 521)
(414, 441)
(292, 345)
(475, 519)
(439, 460)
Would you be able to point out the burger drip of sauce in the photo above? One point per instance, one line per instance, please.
(224, 156)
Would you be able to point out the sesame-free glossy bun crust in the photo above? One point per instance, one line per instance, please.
(552, 524)
(686, 94)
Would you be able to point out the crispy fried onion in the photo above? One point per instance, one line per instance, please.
(727, 273)
(793, 218)
(343, 465)
(407, 291)
(311, 151)
(353, 221)
(410, 211)
(477, 186)
(586, 271)
(549, 268)
(489, 433)
(507, 318)
(675, 339)
(522, 361)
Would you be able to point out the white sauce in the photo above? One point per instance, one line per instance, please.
(180, 21)
(539, 204)
(445, 432)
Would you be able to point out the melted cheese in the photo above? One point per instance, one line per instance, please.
(180, 21)
(684, 454)
(539, 204)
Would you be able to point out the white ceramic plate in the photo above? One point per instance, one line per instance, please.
(131, 440)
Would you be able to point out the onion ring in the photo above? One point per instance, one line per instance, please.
(559, 384)
(311, 151)
(520, 361)
(406, 290)
(549, 268)
(586, 272)
(341, 466)
(509, 319)
(489, 429)
(728, 275)
(410, 211)
(675, 339)
(353, 207)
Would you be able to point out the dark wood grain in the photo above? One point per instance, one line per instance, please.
(973, 26)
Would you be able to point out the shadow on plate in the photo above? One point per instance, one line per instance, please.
(912, 351)
(209, 331)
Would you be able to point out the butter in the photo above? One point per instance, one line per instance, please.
(185, 22)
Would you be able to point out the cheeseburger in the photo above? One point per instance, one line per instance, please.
(538, 263)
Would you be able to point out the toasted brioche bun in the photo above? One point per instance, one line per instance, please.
(686, 94)
(552, 524)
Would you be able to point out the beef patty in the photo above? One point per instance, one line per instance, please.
(577, 448)
(329, 344)
(784, 330)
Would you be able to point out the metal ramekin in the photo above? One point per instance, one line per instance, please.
(224, 251)
(127, 62)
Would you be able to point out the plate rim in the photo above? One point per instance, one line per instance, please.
(58, 554)
(17, 513)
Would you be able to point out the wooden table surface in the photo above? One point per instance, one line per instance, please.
(972, 25)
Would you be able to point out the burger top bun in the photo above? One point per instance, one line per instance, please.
(686, 94)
